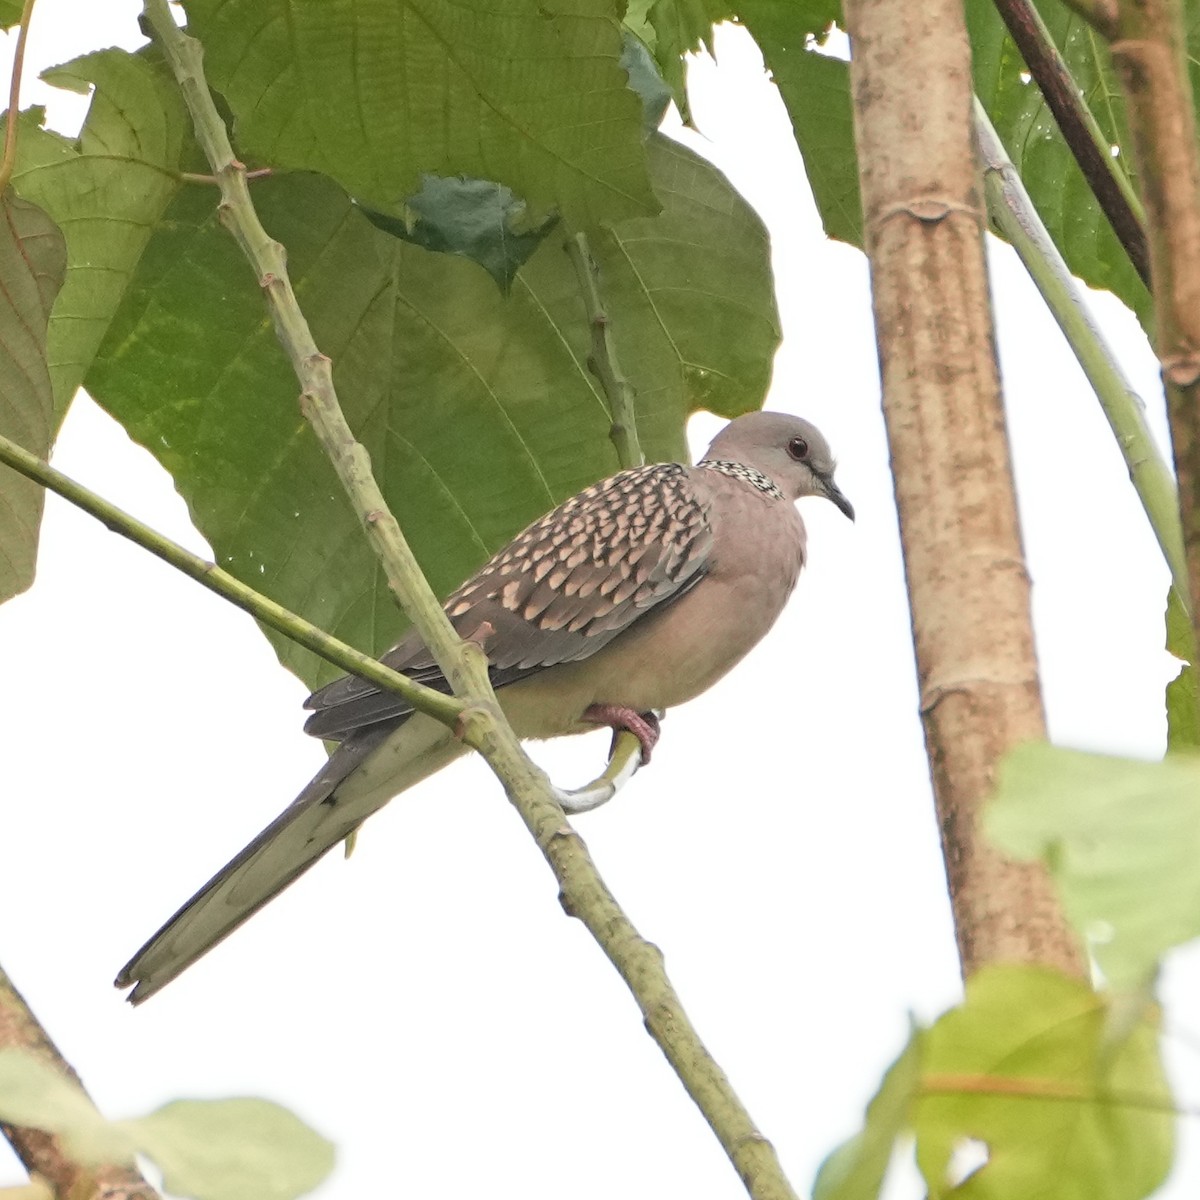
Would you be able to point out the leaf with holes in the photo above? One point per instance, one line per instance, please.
(1025, 1067)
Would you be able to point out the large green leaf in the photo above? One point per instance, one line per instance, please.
(376, 93)
(691, 296)
(1025, 1066)
(106, 191)
(32, 264)
(479, 412)
(1122, 838)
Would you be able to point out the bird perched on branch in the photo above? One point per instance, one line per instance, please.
(635, 595)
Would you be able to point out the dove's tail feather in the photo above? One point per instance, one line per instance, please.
(364, 772)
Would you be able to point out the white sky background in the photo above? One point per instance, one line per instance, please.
(428, 1006)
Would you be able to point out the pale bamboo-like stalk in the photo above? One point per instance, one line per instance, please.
(967, 582)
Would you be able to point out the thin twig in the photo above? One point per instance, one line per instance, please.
(9, 160)
(42, 1153)
(583, 892)
(436, 704)
(213, 181)
(1079, 129)
(1013, 213)
(603, 358)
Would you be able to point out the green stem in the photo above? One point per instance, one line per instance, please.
(583, 892)
(603, 358)
(1012, 212)
(436, 704)
(9, 160)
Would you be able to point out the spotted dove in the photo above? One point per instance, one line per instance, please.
(635, 595)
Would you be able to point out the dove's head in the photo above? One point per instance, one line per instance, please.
(788, 450)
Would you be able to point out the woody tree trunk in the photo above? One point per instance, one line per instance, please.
(967, 582)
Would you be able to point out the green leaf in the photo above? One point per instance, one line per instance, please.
(672, 29)
(32, 264)
(816, 93)
(479, 412)
(238, 1149)
(35, 1095)
(106, 192)
(856, 1169)
(1183, 692)
(788, 26)
(699, 276)
(1024, 1066)
(480, 220)
(378, 93)
(10, 13)
(1031, 137)
(1122, 839)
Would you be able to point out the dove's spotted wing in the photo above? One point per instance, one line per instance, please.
(558, 592)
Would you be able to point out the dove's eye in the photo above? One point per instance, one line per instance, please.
(798, 448)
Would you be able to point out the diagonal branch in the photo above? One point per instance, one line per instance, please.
(582, 891)
(262, 608)
(43, 1154)
(1082, 135)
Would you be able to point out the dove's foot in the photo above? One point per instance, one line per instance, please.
(643, 726)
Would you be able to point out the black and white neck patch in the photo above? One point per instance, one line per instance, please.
(736, 470)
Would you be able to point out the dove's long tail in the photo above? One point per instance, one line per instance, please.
(365, 771)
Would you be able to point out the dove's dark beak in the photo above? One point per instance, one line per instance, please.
(834, 493)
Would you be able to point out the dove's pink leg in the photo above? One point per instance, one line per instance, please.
(644, 726)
